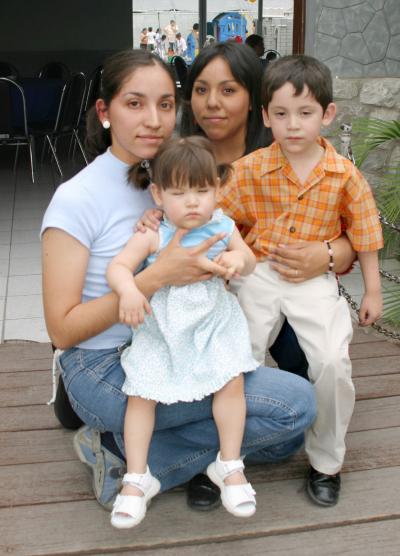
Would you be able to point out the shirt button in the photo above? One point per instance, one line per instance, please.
(300, 197)
(292, 229)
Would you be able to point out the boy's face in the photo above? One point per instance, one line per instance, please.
(296, 121)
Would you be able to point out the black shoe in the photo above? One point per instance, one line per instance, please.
(323, 489)
(202, 494)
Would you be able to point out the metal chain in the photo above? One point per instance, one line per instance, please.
(346, 150)
(390, 277)
(385, 331)
(386, 222)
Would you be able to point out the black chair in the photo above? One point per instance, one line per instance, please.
(181, 71)
(55, 70)
(94, 88)
(12, 102)
(92, 94)
(68, 117)
(8, 70)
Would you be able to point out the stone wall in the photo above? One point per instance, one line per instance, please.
(359, 40)
(355, 38)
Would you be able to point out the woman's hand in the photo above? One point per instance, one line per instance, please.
(300, 261)
(304, 260)
(178, 266)
(150, 219)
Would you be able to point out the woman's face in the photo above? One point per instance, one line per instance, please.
(142, 114)
(220, 104)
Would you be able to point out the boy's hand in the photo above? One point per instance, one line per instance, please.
(150, 219)
(132, 308)
(371, 308)
(233, 261)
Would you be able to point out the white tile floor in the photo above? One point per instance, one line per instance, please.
(22, 205)
(21, 312)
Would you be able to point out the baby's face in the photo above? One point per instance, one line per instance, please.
(187, 207)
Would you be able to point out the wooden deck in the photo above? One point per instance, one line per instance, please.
(47, 507)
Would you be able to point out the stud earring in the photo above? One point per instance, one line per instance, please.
(106, 124)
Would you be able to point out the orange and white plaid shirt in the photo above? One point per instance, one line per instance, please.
(271, 206)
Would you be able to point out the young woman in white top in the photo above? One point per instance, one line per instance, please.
(88, 221)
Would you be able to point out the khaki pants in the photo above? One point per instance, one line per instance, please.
(322, 323)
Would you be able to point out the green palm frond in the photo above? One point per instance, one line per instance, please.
(370, 133)
(391, 303)
(391, 247)
(388, 194)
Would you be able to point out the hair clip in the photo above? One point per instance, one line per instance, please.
(145, 164)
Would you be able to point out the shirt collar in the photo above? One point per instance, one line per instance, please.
(273, 158)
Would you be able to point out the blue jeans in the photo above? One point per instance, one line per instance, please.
(280, 406)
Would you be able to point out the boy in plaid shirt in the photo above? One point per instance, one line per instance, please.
(299, 188)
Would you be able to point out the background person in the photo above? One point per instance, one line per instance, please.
(192, 41)
(181, 47)
(171, 30)
(151, 39)
(162, 47)
(256, 42)
(143, 39)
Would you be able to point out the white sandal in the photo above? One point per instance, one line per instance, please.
(239, 500)
(129, 510)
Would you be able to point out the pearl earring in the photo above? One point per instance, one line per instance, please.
(106, 124)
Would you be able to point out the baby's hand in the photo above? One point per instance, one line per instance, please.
(233, 261)
(132, 308)
(371, 308)
(150, 219)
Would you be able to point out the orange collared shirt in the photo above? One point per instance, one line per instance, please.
(271, 206)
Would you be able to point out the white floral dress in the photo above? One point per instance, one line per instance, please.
(196, 339)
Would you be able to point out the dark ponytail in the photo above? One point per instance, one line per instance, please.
(140, 176)
(225, 172)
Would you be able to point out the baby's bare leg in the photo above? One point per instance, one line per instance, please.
(138, 430)
(229, 410)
